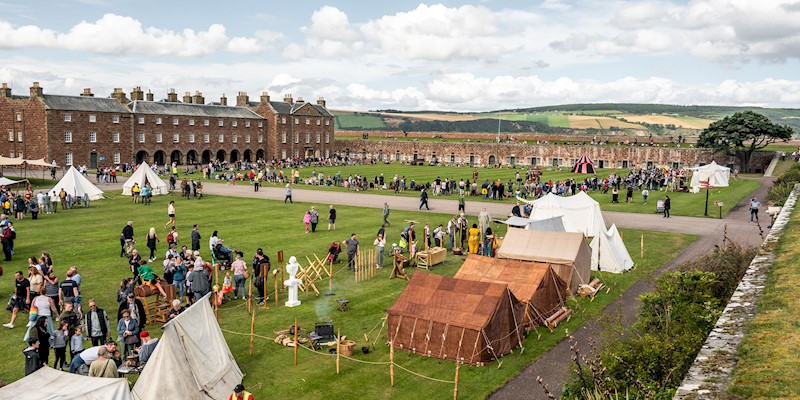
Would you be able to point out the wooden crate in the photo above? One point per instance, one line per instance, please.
(433, 256)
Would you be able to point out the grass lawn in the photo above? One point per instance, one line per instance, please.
(346, 120)
(769, 366)
(89, 240)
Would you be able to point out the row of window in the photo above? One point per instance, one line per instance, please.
(69, 158)
(92, 137)
(92, 118)
(308, 137)
(308, 121)
(297, 154)
(159, 138)
(206, 122)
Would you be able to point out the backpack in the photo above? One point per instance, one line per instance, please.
(170, 238)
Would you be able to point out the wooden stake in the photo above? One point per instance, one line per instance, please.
(330, 278)
(295, 342)
(338, 348)
(249, 294)
(455, 388)
(216, 301)
(642, 252)
(275, 276)
(391, 361)
(252, 329)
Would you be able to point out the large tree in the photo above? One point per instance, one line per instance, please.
(743, 133)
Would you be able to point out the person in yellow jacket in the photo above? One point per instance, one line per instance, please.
(474, 234)
(240, 394)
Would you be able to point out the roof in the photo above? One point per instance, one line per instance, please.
(522, 277)
(49, 383)
(84, 103)
(196, 110)
(282, 107)
(542, 246)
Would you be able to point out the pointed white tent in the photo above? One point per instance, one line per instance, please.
(580, 212)
(192, 360)
(609, 253)
(144, 175)
(715, 174)
(77, 185)
(49, 383)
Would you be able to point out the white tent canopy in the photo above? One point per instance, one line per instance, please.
(144, 174)
(192, 360)
(715, 174)
(519, 222)
(77, 185)
(609, 253)
(555, 224)
(581, 213)
(49, 383)
(5, 181)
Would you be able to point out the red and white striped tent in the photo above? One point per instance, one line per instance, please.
(583, 166)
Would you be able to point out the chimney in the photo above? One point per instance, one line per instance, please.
(242, 100)
(300, 99)
(119, 94)
(287, 98)
(5, 91)
(36, 90)
(321, 102)
(172, 97)
(223, 100)
(137, 93)
(87, 92)
(187, 97)
(264, 97)
(149, 95)
(198, 98)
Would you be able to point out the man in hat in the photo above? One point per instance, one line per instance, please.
(148, 346)
(240, 394)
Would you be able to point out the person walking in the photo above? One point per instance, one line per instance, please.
(645, 193)
(288, 194)
(352, 251)
(152, 238)
(386, 214)
(380, 244)
(754, 204)
(461, 201)
(239, 268)
(667, 206)
(195, 235)
(314, 219)
(332, 218)
(423, 200)
(307, 219)
(170, 213)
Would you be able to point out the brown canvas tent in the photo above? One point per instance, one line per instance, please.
(456, 319)
(567, 252)
(535, 284)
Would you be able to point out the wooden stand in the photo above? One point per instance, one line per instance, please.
(156, 307)
(398, 266)
(275, 278)
(433, 256)
(295, 342)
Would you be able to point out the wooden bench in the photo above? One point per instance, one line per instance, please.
(433, 256)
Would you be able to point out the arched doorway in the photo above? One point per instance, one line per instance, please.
(316, 154)
(191, 157)
(158, 158)
(259, 154)
(206, 157)
(492, 160)
(141, 156)
(234, 155)
(221, 155)
(175, 157)
(247, 156)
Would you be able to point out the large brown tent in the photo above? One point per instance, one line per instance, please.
(456, 319)
(567, 252)
(533, 283)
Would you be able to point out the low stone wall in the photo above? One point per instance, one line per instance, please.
(709, 376)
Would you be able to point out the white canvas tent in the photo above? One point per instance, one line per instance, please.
(715, 174)
(49, 383)
(144, 175)
(555, 224)
(518, 222)
(581, 213)
(76, 184)
(566, 252)
(609, 253)
(192, 360)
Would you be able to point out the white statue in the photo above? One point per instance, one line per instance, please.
(292, 282)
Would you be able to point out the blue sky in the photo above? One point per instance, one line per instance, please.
(449, 55)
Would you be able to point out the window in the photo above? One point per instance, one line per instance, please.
(297, 138)
(205, 122)
(206, 138)
(175, 121)
(116, 158)
(246, 124)
(92, 137)
(283, 137)
(10, 135)
(158, 120)
(191, 138)
(221, 122)
(308, 121)
(234, 123)
(67, 137)
(297, 121)
(115, 119)
(308, 138)
(68, 159)
(191, 122)
(19, 136)
(176, 138)
(141, 137)
(115, 137)
(92, 118)
(283, 154)
(260, 124)
(67, 117)
(283, 120)
(159, 138)
(235, 138)
(260, 138)
(11, 154)
(327, 122)
(327, 137)
(318, 137)
(20, 155)
(318, 121)
(19, 117)
(141, 120)
(221, 138)
(247, 138)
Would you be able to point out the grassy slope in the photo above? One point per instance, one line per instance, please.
(88, 239)
(768, 364)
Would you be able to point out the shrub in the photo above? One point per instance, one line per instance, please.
(783, 185)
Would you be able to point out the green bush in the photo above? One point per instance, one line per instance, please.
(783, 185)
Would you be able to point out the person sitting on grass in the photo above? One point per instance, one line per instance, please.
(149, 277)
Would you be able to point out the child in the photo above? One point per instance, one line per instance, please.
(76, 342)
(60, 339)
(227, 287)
(307, 219)
(149, 277)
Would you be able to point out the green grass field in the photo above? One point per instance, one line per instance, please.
(348, 120)
(88, 238)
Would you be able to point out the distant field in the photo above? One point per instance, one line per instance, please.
(348, 120)
(682, 121)
(598, 122)
(554, 119)
(435, 116)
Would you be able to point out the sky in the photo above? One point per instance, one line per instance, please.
(450, 55)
